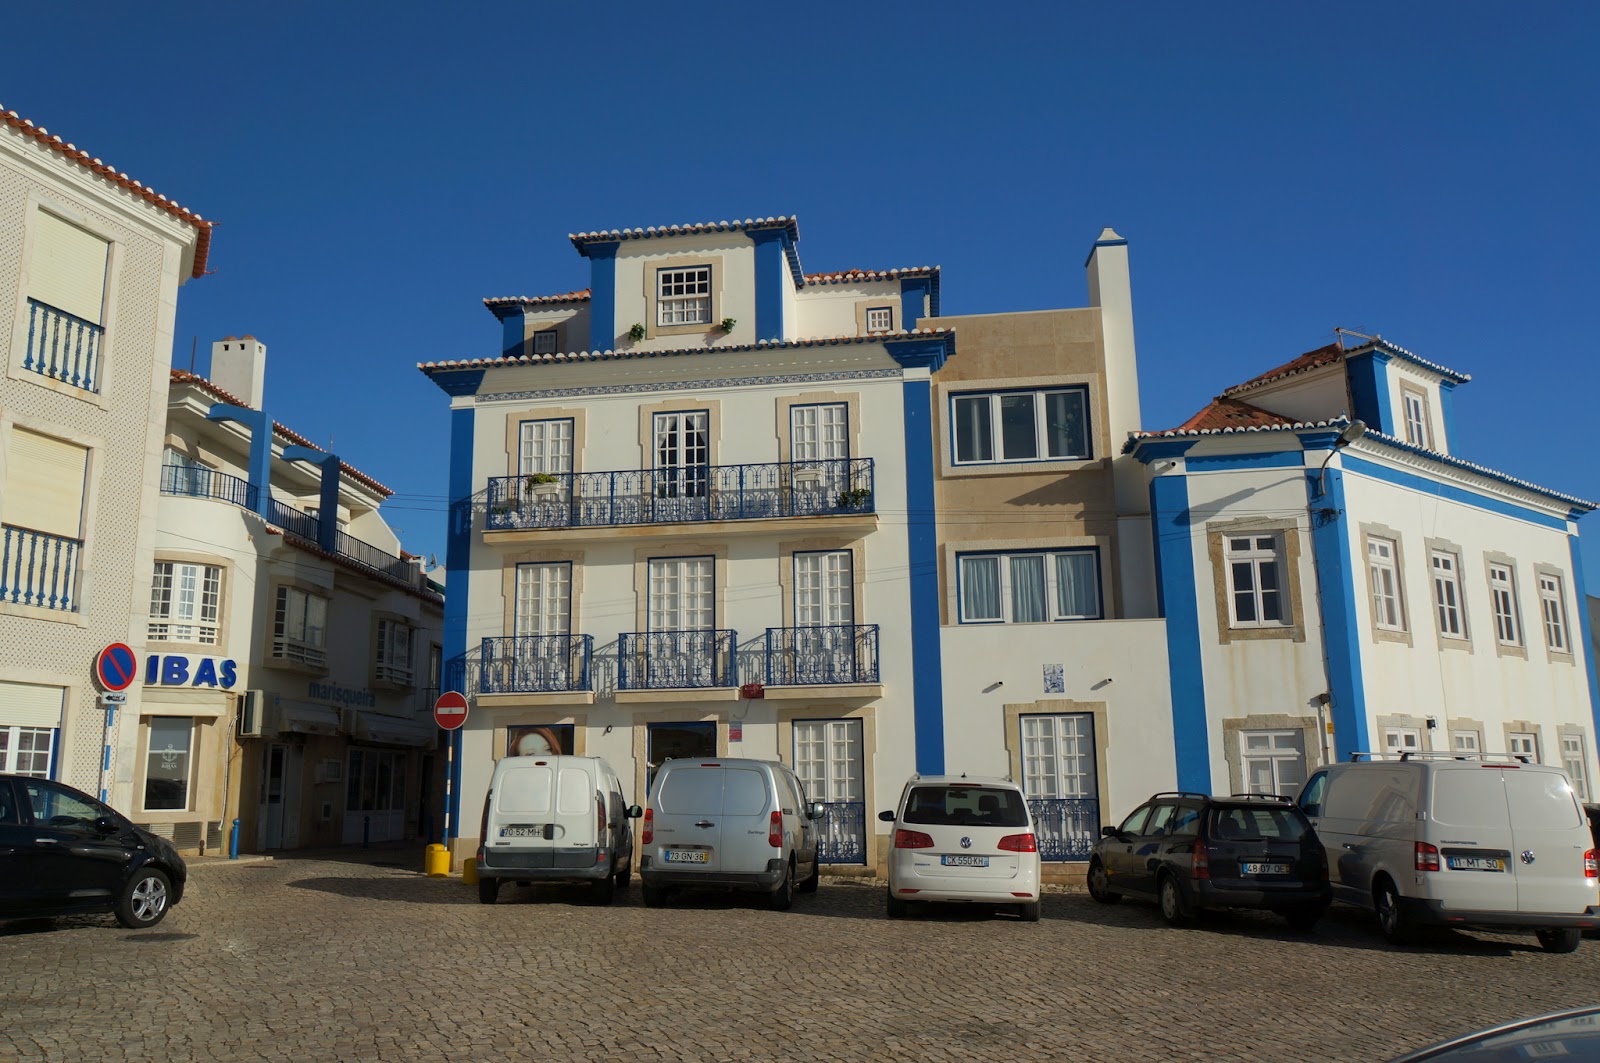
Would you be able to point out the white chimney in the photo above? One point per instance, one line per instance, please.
(239, 367)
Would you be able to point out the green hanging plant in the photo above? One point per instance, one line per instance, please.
(636, 332)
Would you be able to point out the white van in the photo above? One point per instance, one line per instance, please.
(555, 819)
(1444, 839)
(728, 823)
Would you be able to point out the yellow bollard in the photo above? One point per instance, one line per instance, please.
(469, 870)
(437, 860)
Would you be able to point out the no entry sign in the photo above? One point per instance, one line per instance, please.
(450, 711)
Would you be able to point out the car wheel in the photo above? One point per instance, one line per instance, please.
(1303, 920)
(144, 899)
(624, 877)
(603, 890)
(1172, 909)
(898, 909)
(488, 890)
(1560, 939)
(781, 898)
(1100, 884)
(1391, 917)
(810, 883)
(655, 896)
(1029, 912)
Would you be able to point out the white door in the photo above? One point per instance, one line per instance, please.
(681, 644)
(828, 759)
(819, 443)
(544, 609)
(824, 618)
(1059, 778)
(683, 454)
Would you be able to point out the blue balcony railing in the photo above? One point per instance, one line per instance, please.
(827, 654)
(670, 660)
(696, 493)
(526, 664)
(842, 833)
(195, 482)
(63, 347)
(38, 569)
(1068, 827)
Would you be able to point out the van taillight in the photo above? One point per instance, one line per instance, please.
(912, 839)
(649, 827)
(1427, 857)
(599, 817)
(1591, 867)
(775, 831)
(1019, 843)
(1201, 868)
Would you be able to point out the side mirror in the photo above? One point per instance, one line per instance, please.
(105, 825)
(635, 812)
(1110, 832)
(887, 817)
(815, 810)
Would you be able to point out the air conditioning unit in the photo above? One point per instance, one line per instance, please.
(252, 708)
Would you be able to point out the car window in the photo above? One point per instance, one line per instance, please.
(1186, 820)
(1540, 798)
(55, 807)
(1244, 823)
(744, 793)
(966, 806)
(1135, 822)
(690, 790)
(1160, 822)
(8, 806)
(1311, 796)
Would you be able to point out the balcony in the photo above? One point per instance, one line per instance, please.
(63, 347)
(535, 664)
(675, 660)
(38, 569)
(195, 482)
(773, 490)
(1068, 827)
(842, 833)
(827, 655)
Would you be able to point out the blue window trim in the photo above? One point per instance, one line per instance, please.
(1042, 551)
(950, 408)
(711, 295)
(819, 405)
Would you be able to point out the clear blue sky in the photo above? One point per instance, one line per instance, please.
(1427, 171)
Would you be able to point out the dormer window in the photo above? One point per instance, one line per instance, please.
(880, 318)
(1416, 414)
(683, 296)
(544, 342)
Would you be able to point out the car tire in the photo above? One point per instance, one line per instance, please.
(145, 899)
(603, 891)
(1100, 884)
(898, 909)
(1171, 897)
(1560, 938)
(488, 890)
(1397, 929)
(655, 896)
(624, 877)
(781, 898)
(810, 883)
(1029, 912)
(1304, 920)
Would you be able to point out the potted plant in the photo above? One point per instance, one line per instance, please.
(636, 332)
(540, 484)
(853, 498)
(728, 323)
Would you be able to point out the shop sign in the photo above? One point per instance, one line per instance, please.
(190, 670)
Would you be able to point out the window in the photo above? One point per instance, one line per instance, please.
(1058, 756)
(683, 296)
(26, 750)
(300, 627)
(30, 718)
(166, 777)
(544, 446)
(1135, 822)
(1401, 739)
(880, 318)
(1384, 573)
(185, 602)
(544, 599)
(682, 596)
(1523, 744)
(683, 454)
(1447, 595)
(819, 433)
(393, 662)
(66, 302)
(184, 475)
(1465, 742)
(1026, 588)
(1416, 414)
(824, 589)
(544, 341)
(1008, 426)
(1255, 564)
(1503, 595)
(1575, 761)
(1552, 607)
(1273, 762)
(42, 534)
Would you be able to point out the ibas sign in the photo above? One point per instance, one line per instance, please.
(190, 670)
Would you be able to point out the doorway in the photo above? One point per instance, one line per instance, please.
(675, 741)
(280, 797)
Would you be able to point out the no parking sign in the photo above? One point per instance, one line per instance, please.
(116, 667)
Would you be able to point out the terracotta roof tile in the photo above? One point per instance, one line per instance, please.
(608, 235)
(1224, 414)
(582, 295)
(856, 276)
(1316, 359)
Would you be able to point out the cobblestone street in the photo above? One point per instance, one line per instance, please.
(363, 957)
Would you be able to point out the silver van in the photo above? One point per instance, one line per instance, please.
(728, 824)
(1444, 839)
(555, 819)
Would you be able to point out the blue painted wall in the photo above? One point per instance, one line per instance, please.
(771, 275)
(1585, 630)
(1368, 375)
(927, 679)
(1179, 603)
(603, 329)
(1337, 608)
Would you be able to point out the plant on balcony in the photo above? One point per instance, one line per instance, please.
(636, 332)
(728, 323)
(853, 498)
(536, 480)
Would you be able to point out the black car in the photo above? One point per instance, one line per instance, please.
(1189, 851)
(64, 853)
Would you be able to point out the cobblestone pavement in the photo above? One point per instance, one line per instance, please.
(361, 957)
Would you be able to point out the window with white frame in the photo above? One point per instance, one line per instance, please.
(1523, 744)
(185, 603)
(30, 723)
(683, 454)
(828, 758)
(182, 474)
(1447, 603)
(683, 296)
(1272, 762)
(1050, 424)
(1383, 570)
(1029, 588)
(1576, 762)
(819, 432)
(1466, 742)
(1416, 414)
(544, 446)
(1058, 756)
(880, 318)
(26, 750)
(1255, 574)
(168, 763)
(300, 627)
(393, 659)
(1401, 739)
(544, 341)
(544, 598)
(682, 594)
(1503, 596)
(66, 303)
(1552, 607)
(824, 588)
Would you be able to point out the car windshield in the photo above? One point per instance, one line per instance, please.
(966, 806)
(1254, 823)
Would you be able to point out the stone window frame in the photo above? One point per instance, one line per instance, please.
(1290, 532)
(225, 583)
(1529, 727)
(640, 736)
(784, 425)
(712, 408)
(1568, 730)
(1412, 391)
(1100, 719)
(1403, 721)
(1310, 728)
(1464, 640)
(1518, 649)
(504, 717)
(855, 547)
(1463, 723)
(642, 556)
(1566, 656)
(579, 416)
(652, 268)
(863, 308)
(1402, 633)
(547, 555)
(951, 552)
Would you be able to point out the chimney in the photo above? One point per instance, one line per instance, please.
(239, 367)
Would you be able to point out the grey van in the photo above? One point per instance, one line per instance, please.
(728, 824)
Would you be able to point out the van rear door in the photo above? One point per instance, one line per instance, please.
(1550, 836)
(523, 816)
(575, 834)
(747, 808)
(1472, 830)
(687, 817)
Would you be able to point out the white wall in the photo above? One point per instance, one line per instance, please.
(736, 279)
(830, 309)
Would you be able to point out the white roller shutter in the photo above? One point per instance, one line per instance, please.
(30, 705)
(44, 484)
(68, 267)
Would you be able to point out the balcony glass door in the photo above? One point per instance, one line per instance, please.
(819, 444)
(681, 646)
(828, 758)
(824, 617)
(542, 655)
(1059, 777)
(683, 459)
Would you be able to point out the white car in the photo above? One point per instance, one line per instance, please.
(964, 840)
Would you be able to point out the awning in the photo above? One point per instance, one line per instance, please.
(300, 717)
(395, 730)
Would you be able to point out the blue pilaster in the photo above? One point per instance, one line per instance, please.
(1447, 415)
(260, 472)
(1336, 604)
(922, 548)
(916, 301)
(328, 499)
(1179, 602)
(1368, 374)
(771, 276)
(1585, 629)
(602, 296)
(512, 329)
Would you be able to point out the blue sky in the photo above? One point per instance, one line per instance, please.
(1426, 171)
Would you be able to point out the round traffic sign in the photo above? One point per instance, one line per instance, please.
(116, 667)
(450, 711)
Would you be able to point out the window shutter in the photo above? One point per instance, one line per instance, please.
(68, 268)
(44, 484)
(30, 705)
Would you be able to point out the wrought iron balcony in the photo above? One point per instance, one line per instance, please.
(666, 496)
(1067, 827)
(524, 664)
(670, 660)
(38, 569)
(842, 833)
(293, 520)
(196, 482)
(825, 655)
(63, 347)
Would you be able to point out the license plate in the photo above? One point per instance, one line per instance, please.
(687, 856)
(958, 860)
(525, 831)
(1264, 869)
(1476, 863)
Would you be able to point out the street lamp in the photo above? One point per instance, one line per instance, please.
(1352, 432)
